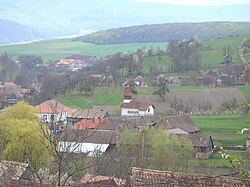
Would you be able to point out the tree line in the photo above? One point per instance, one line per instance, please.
(167, 32)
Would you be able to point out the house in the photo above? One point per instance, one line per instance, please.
(119, 123)
(83, 58)
(209, 78)
(174, 81)
(139, 81)
(105, 181)
(90, 142)
(75, 62)
(203, 145)
(130, 107)
(182, 124)
(9, 94)
(148, 177)
(52, 111)
(137, 108)
(10, 170)
(76, 115)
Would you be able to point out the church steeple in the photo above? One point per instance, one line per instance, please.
(127, 95)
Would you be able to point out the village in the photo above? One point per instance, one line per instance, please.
(95, 132)
(152, 116)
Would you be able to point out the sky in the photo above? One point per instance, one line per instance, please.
(199, 2)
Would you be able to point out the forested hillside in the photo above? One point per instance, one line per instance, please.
(166, 32)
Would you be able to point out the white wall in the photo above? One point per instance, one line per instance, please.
(136, 112)
(57, 116)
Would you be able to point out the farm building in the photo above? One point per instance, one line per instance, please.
(183, 124)
(203, 145)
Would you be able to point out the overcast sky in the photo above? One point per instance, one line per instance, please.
(199, 2)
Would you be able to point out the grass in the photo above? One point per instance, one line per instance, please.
(58, 49)
(210, 58)
(218, 162)
(101, 96)
(187, 88)
(245, 90)
(223, 125)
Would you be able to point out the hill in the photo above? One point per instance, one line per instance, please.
(58, 18)
(166, 32)
(12, 32)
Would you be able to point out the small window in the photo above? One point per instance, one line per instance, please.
(148, 109)
(45, 118)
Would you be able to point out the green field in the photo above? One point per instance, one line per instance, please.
(102, 96)
(245, 90)
(58, 49)
(224, 128)
(212, 56)
(113, 95)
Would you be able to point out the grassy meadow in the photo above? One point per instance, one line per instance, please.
(225, 129)
(211, 56)
(245, 90)
(101, 96)
(58, 49)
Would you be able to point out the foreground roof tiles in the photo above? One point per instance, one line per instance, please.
(147, 177)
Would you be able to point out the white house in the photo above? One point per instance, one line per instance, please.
(52, 111)
(135, 108)
(139, 81)
(91, 142)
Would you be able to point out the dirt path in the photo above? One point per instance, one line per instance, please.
(223, 137)
(242, 57)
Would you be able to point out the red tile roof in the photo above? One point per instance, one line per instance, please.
(102, 180)
(140, 105)
(127, 92)
(148, 177)
(51, 106)
(9, 84)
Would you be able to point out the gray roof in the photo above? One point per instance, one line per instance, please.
(199, 140)
(88, 136)
(86, 113)
(183, 122)
(131, 122)
(10, 170)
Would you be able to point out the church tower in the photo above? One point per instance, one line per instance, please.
(127, 95)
